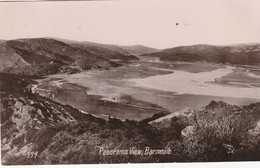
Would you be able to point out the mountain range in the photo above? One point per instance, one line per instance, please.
(244, 54)
(28, 56)
(42, 56)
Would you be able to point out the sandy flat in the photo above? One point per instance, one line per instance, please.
(197, 84)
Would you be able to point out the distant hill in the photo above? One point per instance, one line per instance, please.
(2, 41)
(25, 53)
(105, 50)
(139, 49)
(128, 50)
(243, 54)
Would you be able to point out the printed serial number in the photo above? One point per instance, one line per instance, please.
(31, 154)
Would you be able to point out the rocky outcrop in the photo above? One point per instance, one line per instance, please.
(28, 116)
(188, 131)
(256, 130)
(166, 121)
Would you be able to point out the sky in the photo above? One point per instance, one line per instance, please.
(155, 23)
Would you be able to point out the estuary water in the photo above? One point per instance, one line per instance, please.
(202, 83)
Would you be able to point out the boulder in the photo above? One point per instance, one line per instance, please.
(256, 130)
(166, 121)
(189, 130)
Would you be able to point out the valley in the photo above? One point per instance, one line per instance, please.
(167, 85)
(66, 102)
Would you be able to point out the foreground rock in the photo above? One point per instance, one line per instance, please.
(188, 131)
(166, 121)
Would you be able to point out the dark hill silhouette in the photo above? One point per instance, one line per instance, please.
(244, 54)
(28, 53)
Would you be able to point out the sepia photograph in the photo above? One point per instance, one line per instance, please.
(129, 81)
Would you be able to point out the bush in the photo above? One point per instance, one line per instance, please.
(218, 127)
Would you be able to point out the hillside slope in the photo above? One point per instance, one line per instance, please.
(244, 54)
(139, 49)
(127, 50)
(2, 41)
(21, 53)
